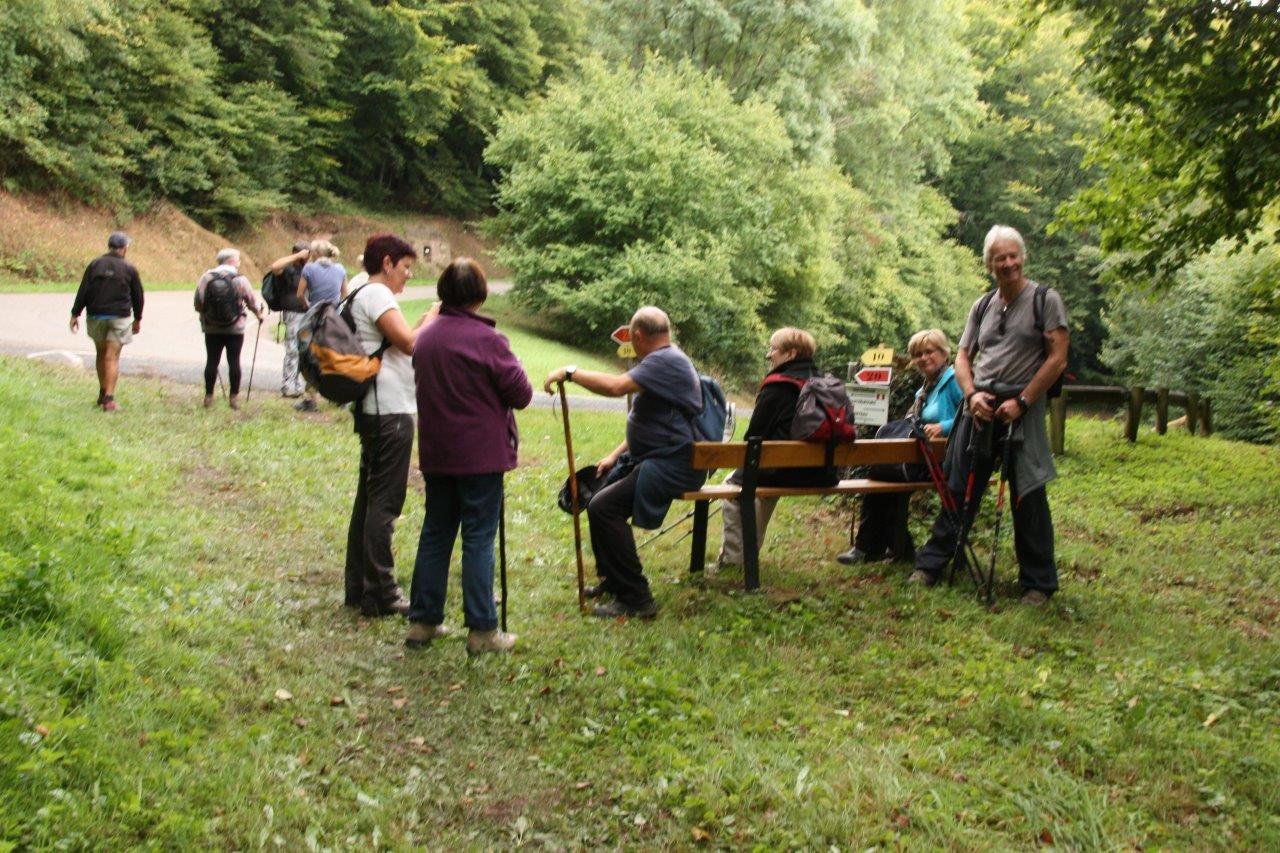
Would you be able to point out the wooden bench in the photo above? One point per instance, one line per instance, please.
(755, 454)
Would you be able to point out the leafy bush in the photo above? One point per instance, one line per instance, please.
(623, 188)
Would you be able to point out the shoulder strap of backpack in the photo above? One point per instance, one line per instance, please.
(783, 379)
(982, 313)
(344, 308)
(1038, 306)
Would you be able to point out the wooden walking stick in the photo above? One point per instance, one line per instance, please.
(573, 498)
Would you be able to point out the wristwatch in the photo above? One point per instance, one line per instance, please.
(569, 371)
(1023, 404)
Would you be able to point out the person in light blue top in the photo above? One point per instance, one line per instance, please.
(937, 402)
(323, 279)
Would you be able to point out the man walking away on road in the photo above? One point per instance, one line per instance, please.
(222, 294)
(111, 293)
(289, 271)
(653, 461)
(323, 280)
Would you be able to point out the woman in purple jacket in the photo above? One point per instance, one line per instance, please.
(468, 382)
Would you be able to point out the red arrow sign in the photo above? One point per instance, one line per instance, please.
(873, 376)
(621, 335)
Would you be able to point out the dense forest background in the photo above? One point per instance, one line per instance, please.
(745, 163)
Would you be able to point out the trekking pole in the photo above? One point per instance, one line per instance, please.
(254, 363)
(1005, 462)
(949, 509)
(967, 514)
(502, 553)
(673, 525)
(573, 498)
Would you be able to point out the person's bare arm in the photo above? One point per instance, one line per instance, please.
(394, 328)
(279, 264)
(604, 384)
(302, 292)
(603, 466)
(979, 401)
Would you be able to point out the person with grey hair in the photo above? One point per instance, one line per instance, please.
(222, 295)
(323, 280)
(111, 292)
(650, 468)
(289, 271)
(1013, 350)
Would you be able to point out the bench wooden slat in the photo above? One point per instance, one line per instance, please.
(856, 486)
(709, 455)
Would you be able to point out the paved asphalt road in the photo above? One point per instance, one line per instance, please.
(170, 344)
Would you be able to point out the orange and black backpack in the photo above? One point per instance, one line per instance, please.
(330, 355)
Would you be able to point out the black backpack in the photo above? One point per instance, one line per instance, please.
(221, 300)
(273, 289)
(1037, 308)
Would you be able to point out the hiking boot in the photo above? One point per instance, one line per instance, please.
(615, 609)
(595, 591)
(397, 607)
(110, 405)
(921, 578)
(305, 406)
(851, 557)
(208, 401)
(1034, 598)
(483, 642)
(421, 634)
(235, 402)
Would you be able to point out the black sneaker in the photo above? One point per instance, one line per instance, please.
(305, 406)
(595, 591)
(397, 607)
(615, 609)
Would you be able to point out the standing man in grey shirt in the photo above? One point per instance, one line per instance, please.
(1013, 348)
(111, 292)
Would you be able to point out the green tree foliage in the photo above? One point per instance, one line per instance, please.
(232, 107)
(1025, 160)
(1216, 331)
(655, 186)
(1189, 157)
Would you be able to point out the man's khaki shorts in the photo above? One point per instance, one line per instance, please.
(117, 330)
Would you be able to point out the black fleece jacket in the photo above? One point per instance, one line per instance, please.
(771, 420)
(110, 287)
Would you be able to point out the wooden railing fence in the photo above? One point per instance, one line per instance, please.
(1198, 409)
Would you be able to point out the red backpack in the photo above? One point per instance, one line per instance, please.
(824, 412)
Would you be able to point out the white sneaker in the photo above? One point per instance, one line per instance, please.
(481, 642)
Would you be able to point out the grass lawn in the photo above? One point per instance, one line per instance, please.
(176, 671)
(529, 342)
(24, 285)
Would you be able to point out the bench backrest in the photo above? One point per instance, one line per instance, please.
(710, 455)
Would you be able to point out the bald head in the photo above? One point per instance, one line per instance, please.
(650, 330)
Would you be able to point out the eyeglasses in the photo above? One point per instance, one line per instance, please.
(925, 353)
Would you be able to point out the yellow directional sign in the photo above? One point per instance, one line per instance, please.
(626, 351)
(880, 356)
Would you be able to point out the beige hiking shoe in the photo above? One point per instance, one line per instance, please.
(421, 634)
(480, 642)
(1034, 598)
(235, 401)
(208, 401)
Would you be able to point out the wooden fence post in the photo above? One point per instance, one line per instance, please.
(1134, 414)
(1193, 412)
(1206, 417)
(1058, 424)
(1162, 410)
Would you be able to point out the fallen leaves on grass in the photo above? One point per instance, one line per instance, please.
(336, 701)
(1214, 717)
(300, 722)
(399, 703)
(699, 834)
(283, 695)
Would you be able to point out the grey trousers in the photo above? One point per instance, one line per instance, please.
(291, 382)
(731, 544)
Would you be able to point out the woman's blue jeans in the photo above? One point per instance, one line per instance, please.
(472, 503)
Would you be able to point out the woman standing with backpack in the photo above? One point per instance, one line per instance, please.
(323, 279)
(222, 294)
(384, 422)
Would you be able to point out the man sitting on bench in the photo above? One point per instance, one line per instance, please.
(654, 459)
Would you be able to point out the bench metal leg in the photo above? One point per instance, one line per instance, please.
(698, 554)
